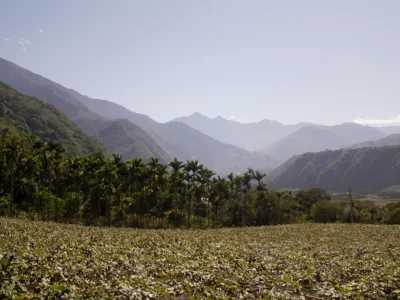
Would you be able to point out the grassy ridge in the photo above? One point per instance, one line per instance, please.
(311, 260)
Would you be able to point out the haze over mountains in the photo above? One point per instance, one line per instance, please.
(390, 140)
(220, 144)
(176, 139)
(320, 138)
(250, 136)
(283, 141)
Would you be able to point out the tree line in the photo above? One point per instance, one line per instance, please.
(38, 180)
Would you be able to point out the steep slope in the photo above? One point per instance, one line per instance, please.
(366, 168)
(29, 116)
(320, 138)
(29, 83)
(125, 138)
(390, 140)
(250, 136)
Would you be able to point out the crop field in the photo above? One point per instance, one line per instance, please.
(308, 261)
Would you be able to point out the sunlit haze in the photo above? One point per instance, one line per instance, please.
(290, 61)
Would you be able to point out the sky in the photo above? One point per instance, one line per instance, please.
(326, 62)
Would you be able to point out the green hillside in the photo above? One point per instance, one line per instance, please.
(371, 169)
(28, 116)
(124, 138)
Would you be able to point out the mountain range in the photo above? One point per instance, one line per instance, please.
(284, 141)
(332, 157)
(175, 138)
(320, 138)
(250, 136)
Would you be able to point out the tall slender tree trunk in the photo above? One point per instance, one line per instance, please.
(12, 185)
(56, 204)
(243, 213)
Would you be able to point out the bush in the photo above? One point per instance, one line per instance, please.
(4, 205)
(325, 211)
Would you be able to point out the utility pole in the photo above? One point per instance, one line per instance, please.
(351, 206)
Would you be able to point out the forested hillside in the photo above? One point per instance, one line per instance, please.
(29, 117)
(366, 168)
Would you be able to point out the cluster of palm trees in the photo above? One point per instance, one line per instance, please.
(39, 181)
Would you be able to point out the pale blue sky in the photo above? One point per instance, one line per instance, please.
(318, 61)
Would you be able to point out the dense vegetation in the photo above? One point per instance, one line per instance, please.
(30, 118)
(310, 261)
(38, 181)
(365, 168)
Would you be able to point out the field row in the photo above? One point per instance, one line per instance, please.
(292, 261)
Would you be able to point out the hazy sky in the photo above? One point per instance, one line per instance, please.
(318, 61)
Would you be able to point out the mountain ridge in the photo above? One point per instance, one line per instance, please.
(250, 136)
(319, 138)
(371, 169)
(390, 140)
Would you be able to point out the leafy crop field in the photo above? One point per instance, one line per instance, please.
(309, 261)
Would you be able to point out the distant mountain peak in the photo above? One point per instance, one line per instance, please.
(196, 114)
(219, 117)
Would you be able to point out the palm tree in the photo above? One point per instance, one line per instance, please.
(29, 171)
(56, 151)
(176, 179)
(12, 152)
(259, 177)
(205, 176)
(247, 177)
(154, 165)
(221, 192)
(192, 168)
(74, 182)
(119, 182)
(136, 171)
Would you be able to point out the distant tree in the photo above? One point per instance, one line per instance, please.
(309, 197)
